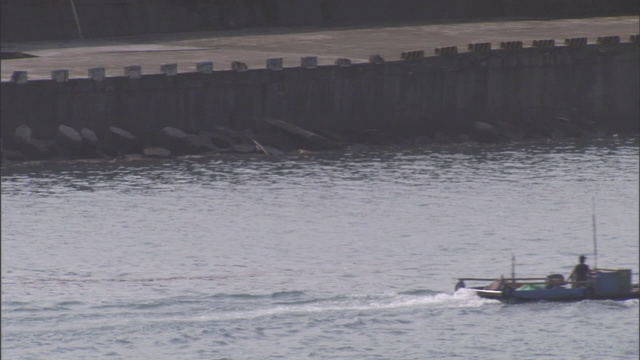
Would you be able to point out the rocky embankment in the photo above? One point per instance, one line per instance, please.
(274, 138)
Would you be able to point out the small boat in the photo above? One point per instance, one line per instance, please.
(603, 284)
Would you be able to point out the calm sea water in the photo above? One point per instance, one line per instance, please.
(346, 255)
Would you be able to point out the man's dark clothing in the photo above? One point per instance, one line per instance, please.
(581, 272)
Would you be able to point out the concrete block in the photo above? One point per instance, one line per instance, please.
(511, 45)
(239, 66)
(19, 77)
(543, 43)
(205, 67)
(479, 47)
(576, 42)
(609, 40)
(60, 75)
(133, 71)
(309, 62)
(447, 50)
(343, 62)
(97, 74)
(274, 64)
(169, 69)
(412, 55)
(376, 59)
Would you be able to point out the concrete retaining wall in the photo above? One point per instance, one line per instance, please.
(449, 92)
(22, 20)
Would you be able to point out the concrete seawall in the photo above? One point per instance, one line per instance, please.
(530, 87)
(23, 20)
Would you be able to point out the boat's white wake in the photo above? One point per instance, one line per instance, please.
(362, 304)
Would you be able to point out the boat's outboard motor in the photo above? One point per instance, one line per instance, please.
(555, 281)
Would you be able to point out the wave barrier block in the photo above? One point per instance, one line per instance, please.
(97, 73)
(479, 47)
(412, 55)
(133, 71)
(205, 67)
(169, 69)
(19, 77)
(543, 43)
(309, 62)
(609, 40)
(576, 42)
(447, 50)
(60, 75)
(274, 64)
(511, 45)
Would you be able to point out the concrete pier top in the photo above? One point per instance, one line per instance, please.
(156, 54)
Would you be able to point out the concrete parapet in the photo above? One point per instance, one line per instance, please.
(97, 73)
(169, 69)
(60, 75)
(205, 67)
(274, 64)
(309, 62)
(19, 77)
(447, 50)
(133, 71)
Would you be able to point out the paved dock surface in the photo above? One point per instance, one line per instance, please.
(254, 46)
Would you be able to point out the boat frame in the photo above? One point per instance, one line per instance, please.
(603, 284)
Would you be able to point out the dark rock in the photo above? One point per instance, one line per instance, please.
(123, 141)
(133, 157)
(485, 132)
(509, 131)
(69, 142)
(200, 143)
(245, 148)
(422, 141)
(441, 138)
(35, 149)
(23, 132)
(156, 152)
(13, 155)
(273, 151)
(89, 137)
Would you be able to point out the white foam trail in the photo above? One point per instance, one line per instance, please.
(463, 298)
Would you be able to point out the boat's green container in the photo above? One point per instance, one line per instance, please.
(611, 282)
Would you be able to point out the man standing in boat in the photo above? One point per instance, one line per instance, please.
(580, 273)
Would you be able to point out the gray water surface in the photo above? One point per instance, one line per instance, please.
(346, 255)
